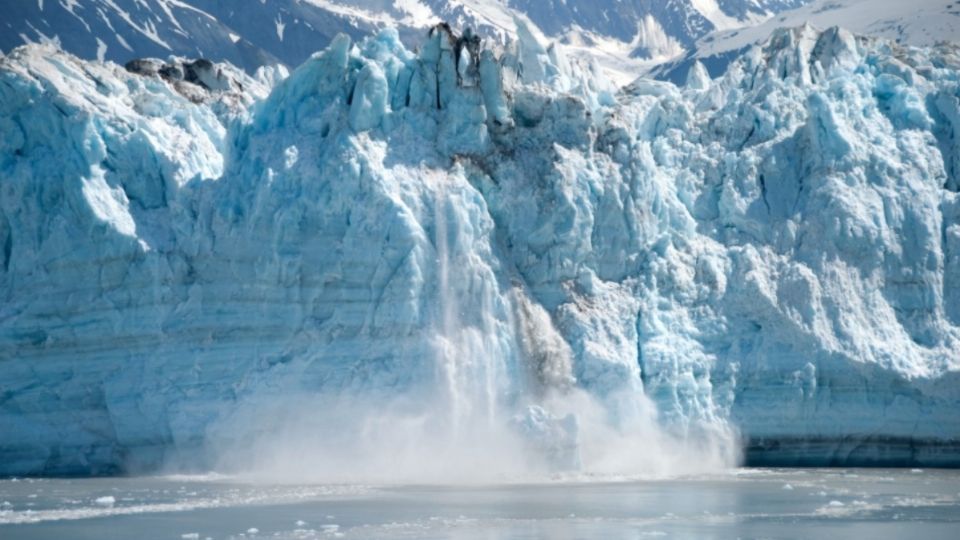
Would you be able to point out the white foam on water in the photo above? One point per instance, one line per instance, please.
(249, 496)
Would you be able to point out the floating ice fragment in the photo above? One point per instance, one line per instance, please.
(108, 500)
(291, 155)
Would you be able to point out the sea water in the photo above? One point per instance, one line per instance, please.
(742, 503)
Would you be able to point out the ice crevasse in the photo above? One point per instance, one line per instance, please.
(486, 232)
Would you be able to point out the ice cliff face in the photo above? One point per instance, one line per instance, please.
(775, 251)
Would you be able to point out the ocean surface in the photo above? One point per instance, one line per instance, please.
(744, 503)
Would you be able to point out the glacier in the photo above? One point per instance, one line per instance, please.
(491, 244)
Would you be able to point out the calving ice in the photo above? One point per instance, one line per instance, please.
(480, 261)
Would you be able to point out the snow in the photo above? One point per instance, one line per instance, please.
(720, 20)
(608, 32)
(923, 22)
(390, 250)
(280, 25)
(655, 41)
(148, 29)
(421, 14)
(101, 50)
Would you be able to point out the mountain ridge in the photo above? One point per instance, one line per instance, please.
(634, 34)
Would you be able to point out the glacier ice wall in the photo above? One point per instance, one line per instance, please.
(494, 236)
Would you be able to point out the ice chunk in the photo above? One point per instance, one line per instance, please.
(697, 77)
(370, 100)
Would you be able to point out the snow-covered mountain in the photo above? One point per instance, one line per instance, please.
(625, 36)
(918, 22)
(439, 259)
(247, 34)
